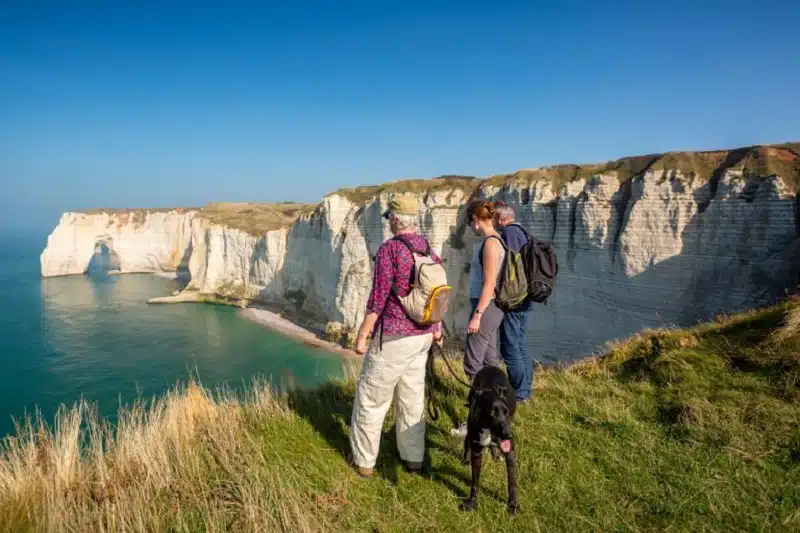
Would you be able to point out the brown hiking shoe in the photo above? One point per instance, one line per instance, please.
(364, 472)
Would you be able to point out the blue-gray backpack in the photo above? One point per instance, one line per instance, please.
(541, 267)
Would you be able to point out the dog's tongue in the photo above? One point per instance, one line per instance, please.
(505, 445)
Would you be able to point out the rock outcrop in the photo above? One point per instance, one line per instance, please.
(642, 242)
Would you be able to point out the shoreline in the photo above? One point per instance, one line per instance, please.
(176, 297)
(251, 311)
(254, 313)
(263, 317)
(289, 329)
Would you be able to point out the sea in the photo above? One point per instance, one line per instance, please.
(93, 337)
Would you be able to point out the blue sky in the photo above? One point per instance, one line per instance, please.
(122, 104)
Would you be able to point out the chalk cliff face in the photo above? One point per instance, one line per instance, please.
(642, 242)
(140, 241)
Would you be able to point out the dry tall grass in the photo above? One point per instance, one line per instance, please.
(253, 218)
(188, 461)
(790, 332)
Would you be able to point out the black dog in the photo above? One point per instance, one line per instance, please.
(492, 402)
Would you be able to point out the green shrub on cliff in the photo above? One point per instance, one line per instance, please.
(690, 430)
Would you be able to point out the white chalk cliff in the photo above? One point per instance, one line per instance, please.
(658, 247)
(140, 241)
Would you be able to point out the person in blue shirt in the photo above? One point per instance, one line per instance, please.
(512, 329)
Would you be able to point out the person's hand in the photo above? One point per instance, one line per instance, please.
(474, 324)
(361, 345)
(438, 338)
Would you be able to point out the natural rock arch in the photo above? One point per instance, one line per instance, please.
(105, 258)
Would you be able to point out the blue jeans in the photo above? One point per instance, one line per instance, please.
(514, 353)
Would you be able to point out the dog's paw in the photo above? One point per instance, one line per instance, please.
(468, 505)
(513, 508)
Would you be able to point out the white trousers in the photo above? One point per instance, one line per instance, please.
(399, 366)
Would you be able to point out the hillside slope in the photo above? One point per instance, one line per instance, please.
(686, 430)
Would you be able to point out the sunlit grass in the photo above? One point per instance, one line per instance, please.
(690, 430)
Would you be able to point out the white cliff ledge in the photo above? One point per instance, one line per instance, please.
(645, 241)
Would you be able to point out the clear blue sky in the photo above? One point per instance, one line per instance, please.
(137, 104)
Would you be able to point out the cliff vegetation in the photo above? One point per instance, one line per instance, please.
(360, 195)
(251, 217)
(780, 159)
(254, 218)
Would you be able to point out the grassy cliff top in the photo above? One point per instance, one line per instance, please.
(685, 430)
(766, 160)
(763, 160)
(136, 210)
(254, 218)
(357, 195)
(136, 216)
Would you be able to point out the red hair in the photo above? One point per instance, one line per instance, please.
(480, 209)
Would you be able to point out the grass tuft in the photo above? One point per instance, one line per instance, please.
(790, 332)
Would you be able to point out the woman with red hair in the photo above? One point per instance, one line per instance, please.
(484, 275)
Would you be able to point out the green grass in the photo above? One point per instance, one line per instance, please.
(688, 430)
(763, 161)
(135, 216)
(136, 210)
(255, 219)
(360, 195)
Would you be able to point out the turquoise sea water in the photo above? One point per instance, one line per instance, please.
(96, 337)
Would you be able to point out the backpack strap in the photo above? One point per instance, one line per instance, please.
(516, 224)
(502, 243)
(407, 242)
(502, 266)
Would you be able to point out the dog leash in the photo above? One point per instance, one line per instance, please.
(450, 368)
(431, 379)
